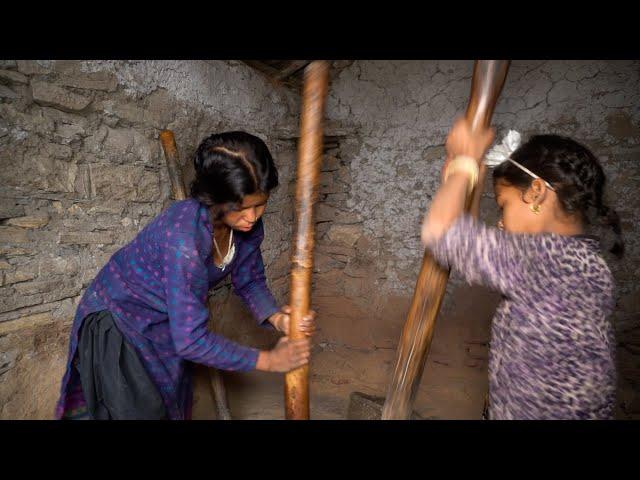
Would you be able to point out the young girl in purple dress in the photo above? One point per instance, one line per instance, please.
(552, 345)
(142, 323)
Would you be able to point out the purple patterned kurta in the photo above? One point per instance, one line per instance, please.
(552, 351)
(156, 289)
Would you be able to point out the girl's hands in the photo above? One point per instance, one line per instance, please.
(450, 199)
(287, 355)
(462, 141)
(282, 319)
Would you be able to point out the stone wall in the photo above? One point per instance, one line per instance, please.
(82, 172)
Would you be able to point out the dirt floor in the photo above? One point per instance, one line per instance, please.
(453, 385)
(33, 355)
(354, 350)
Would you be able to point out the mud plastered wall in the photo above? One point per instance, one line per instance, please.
(82, 172)
(399, 113)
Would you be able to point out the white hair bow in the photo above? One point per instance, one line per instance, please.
(503, 151)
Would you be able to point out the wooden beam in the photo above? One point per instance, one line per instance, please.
(263, 67)
(272, 74)
(292, 68)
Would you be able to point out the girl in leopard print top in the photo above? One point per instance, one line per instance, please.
(552, 345)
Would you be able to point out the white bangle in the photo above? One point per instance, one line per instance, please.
(465, 164)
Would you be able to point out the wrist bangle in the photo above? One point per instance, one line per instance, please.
(465, 164)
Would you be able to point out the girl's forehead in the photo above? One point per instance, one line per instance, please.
(254, 199)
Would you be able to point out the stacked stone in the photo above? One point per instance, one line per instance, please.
(341, 255)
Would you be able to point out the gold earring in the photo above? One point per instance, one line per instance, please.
(535, 209)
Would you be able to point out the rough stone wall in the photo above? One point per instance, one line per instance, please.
(82, 172)
(401, 112)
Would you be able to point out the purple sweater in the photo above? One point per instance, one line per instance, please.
(156, 289)
(552, 346)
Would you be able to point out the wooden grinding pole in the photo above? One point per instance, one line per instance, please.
(178, 192)
(488, 79)
(316, 77)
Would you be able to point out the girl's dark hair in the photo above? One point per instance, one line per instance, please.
(573, 171)
(229, 166)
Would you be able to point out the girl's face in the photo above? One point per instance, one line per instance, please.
(516, 214)
(249, 212)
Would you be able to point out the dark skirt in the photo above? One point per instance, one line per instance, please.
(114, 382)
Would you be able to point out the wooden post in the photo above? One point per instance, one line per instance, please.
(168, 141)
(179, 192)
(316, 77)
(488, 79)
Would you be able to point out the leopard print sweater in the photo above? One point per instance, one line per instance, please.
(552, 346)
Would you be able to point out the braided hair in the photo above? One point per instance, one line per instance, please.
(575, 174)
